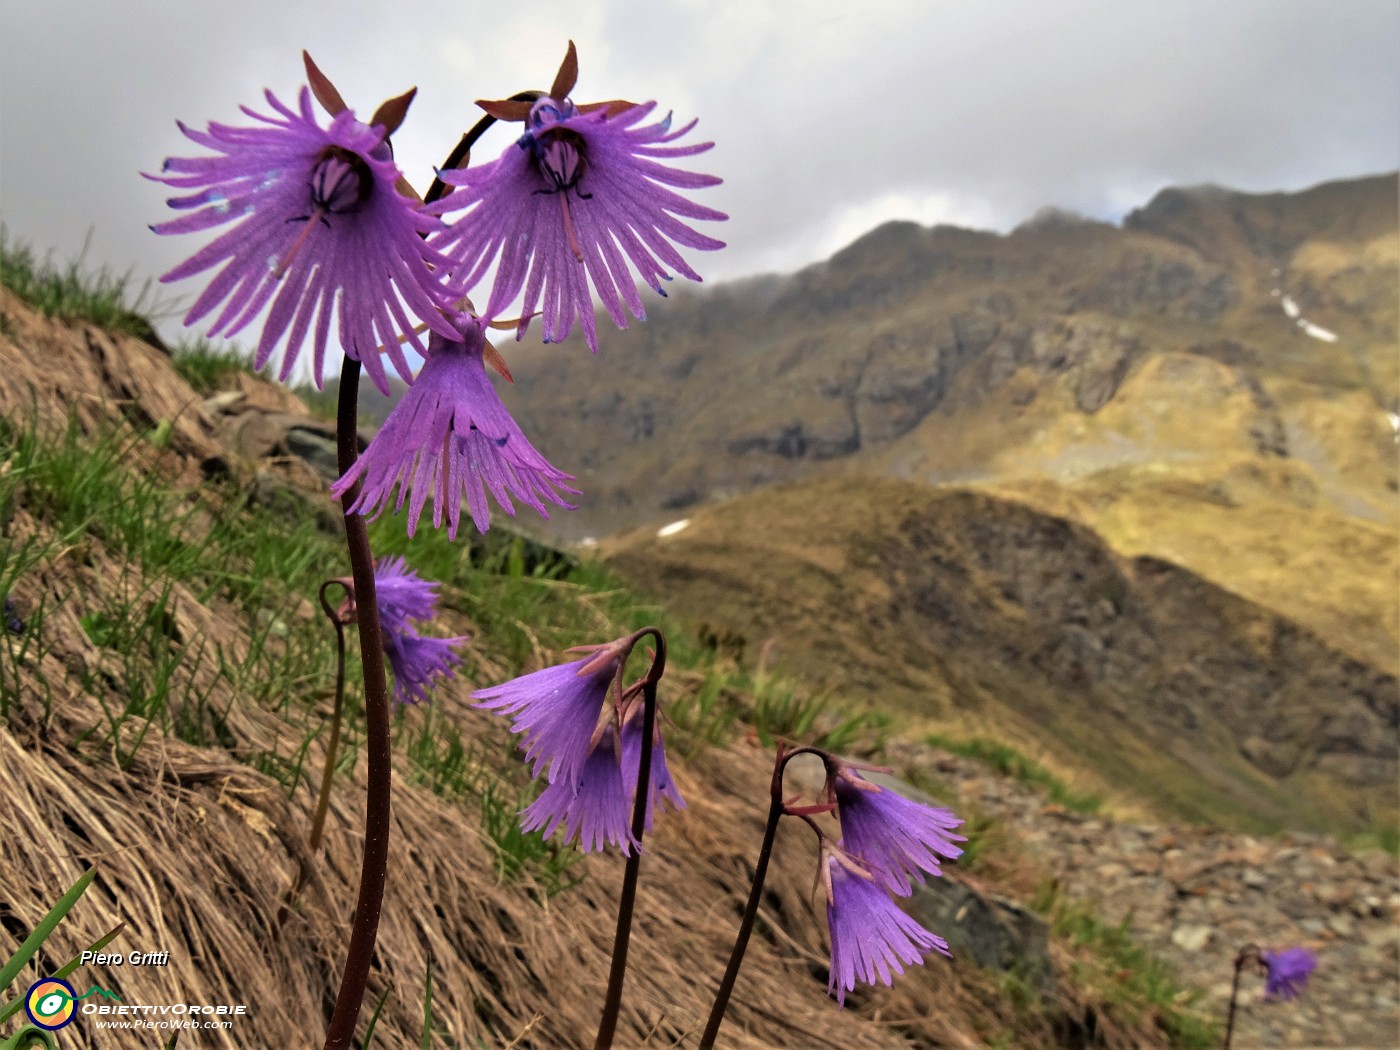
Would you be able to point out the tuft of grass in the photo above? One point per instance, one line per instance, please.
(1009, 762)
(1141, 987)
(205, 366)
(70, 292)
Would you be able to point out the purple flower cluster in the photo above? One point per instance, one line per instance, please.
(402, 595)
(887, 843)
(582, 733)
(322, 226)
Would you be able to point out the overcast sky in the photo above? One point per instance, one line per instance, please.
(827, 121)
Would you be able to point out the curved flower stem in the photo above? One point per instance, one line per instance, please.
(462, 151)
(1248, 952)
(365, 925)
(323, 800)
(612, 1001)
(760, 873)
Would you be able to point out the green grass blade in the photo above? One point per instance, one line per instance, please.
(374, 1017)
(12, 1007)
(46, 926)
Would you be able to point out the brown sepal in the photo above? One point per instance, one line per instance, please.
(322, 88)
(406, 189)
(505, 109)
(390, 114)
(567, 76)
(493, 357)
(616, 106)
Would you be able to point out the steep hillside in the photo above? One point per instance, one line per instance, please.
(164, 697)
(962, 606)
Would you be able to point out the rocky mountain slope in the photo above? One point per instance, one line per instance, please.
(961, 606)
(1210, 326)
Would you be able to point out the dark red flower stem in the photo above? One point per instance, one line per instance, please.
(760, 874)
(1247, 953)
(461, 153)
(612, 1000)
(373, 867)
(323, 799)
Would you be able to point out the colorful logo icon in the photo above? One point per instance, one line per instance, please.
(50, 1004)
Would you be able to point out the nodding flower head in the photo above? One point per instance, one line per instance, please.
(1288, 972)
(449, 437)
(583, 192)
(895, 839)
(594, 805)
(871, 937)
(320, 230)
(557, 711)
(661, 787)
(402, 596)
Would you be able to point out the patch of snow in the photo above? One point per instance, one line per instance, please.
(1291, 308)
(1318, 332)
(673, 528)
(1394, 423)
(588, 541)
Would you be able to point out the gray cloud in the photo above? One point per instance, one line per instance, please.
(827, 121)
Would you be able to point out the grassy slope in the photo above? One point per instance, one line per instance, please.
(164, 706)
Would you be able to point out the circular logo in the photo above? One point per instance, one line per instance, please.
(49, 1004)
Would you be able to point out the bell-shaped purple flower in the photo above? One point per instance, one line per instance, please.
(1288, 972)
(556, 711)
(662, 787)
(891, 836)
(451, 436)
(871, 937)
(578, 197)
(402, 595)
(594, 806)
(321, 232)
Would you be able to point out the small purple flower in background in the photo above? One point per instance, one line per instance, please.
(402, 595)
(321, 223)
(1288, 972)
(662, 786)
(892, 836)
(450, 436)
(13, 623)
(557, 711)
(871, 937)
(582, 193)
(595, 807)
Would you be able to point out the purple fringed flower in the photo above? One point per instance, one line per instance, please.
(317, 217)
(401, 595)
(594, 807)
(450, 435)
(662, 786)
(576, 198)
(1288, 972)
(892, 836)
(556, 711)
(871, 937)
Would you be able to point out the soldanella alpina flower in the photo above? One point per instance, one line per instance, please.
(871, 936)
(416, 660)
(582, 193)
(894, 838)
(320, 232)
(1288, 972)
(449, 437)
(557, 711)
(594, 805)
